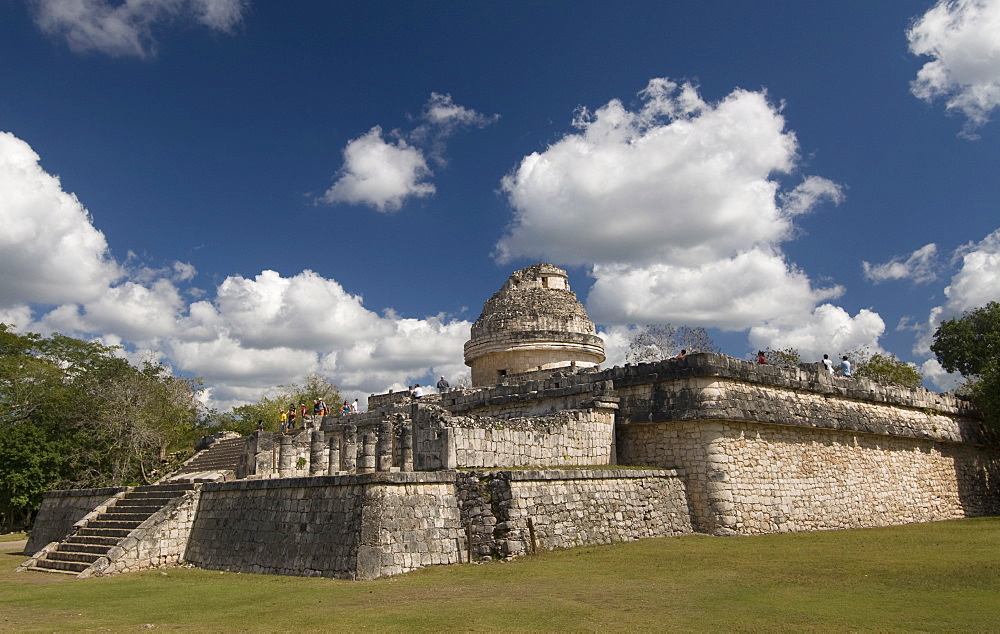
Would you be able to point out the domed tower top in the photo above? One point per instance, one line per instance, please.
(534, 322)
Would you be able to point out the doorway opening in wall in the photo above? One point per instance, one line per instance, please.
(545, 282)
(501, 374)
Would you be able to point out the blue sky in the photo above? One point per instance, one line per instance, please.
(251, 191)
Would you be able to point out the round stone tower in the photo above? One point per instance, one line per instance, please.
(533, 323)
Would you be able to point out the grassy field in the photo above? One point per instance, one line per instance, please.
(941, 576)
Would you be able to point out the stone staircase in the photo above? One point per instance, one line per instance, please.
(97, 537)
(213, 463)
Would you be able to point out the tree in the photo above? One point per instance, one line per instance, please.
(782, 356)
(970, 345)
(662, 341)
(243, 418)
(30, 467)
(75, 414)
(884, 368)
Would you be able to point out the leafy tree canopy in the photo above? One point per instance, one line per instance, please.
(882, 367)
(789, 357)
(74, 414)
(970, 345)
(243, 418)
(662, 341)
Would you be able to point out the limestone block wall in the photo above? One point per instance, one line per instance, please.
(747, 477)
(353, 527)
(570, 438)
(567, 438)
(516, 512)
(709, 386)
(60, 510)
(158, 542)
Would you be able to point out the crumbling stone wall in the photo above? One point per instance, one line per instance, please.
(518, 512)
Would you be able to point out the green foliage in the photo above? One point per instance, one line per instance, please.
(662, 341)
(243, 418)
(884, 368)
(970, 345)
(74, 414)
(788, 357)
(30, 467)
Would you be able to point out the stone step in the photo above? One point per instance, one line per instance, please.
(99, 523)
(159, 496)
(210, 466)
(123, 516)
(220, 457)
(76, 547)
(136, 506)
(73, 567)
(72, 556)
(173, 489)
(53, 571)
(93, 541)
(115, 533)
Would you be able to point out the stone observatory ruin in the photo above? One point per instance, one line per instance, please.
(546, 450)
(533, 323)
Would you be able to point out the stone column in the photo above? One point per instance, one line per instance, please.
(317, 453)
(333, 462)
(286, 458)
(406, 446)
(349, 459)
(722, 511)
(383, 449)
(366, 463)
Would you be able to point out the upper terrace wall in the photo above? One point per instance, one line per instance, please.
(714, 386)
(769, 449)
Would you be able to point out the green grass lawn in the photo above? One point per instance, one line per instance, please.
(940, 576)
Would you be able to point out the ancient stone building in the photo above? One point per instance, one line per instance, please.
(533, 323)
(713, 445)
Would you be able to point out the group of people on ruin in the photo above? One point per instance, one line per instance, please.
(287, 418)
(844, 369)
(419, 392)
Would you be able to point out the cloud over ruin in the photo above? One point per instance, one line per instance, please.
(963, 38)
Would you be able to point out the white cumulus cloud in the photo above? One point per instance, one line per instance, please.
(973, 285)
(919, 266)
(729, 293)
(675, 205)
(380, 173)
(827, 329)
(385, 173)
(963, 38)
(128, 28)
(247, 335)
(50, 251)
